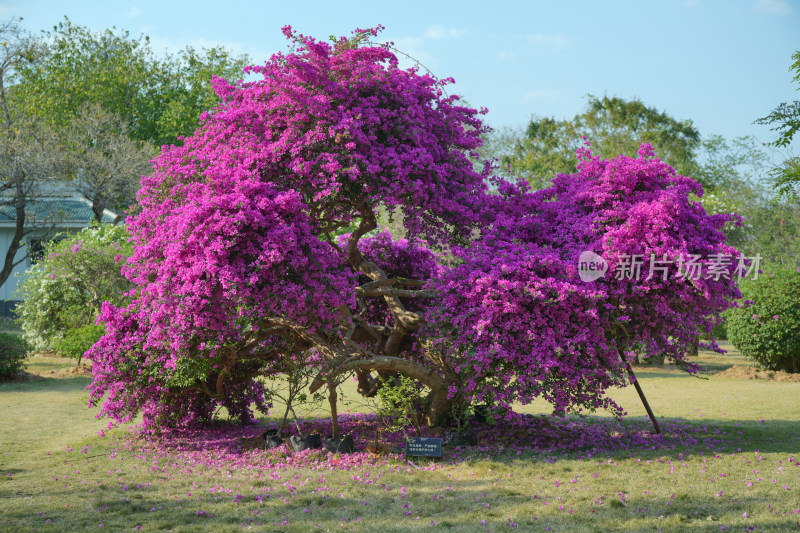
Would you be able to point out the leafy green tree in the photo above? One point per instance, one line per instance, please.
(731, 171)
(29, 151)
(735, 172)
(773, 231)
(108, 93)
(187, 91)
(613, 126)
(79, 66)
(785, 119)
(160, 98)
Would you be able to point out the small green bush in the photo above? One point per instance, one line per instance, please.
(396, 405)
(720, 331)
(12, 355)
(65, 290)
(77, 341)
(767, 326)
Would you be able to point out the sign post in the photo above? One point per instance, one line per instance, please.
(424, 447)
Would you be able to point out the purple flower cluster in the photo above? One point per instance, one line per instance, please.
(219, 448)
(236, 271)
(521, 324)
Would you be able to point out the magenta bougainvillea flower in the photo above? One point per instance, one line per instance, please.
(519, 321)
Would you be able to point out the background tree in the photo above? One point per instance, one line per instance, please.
(107, 164)
(785, 119)
(29, 151)
(108, 93)
(79, 66)
(159, 98)
(733, 172)
(186, 90)
(613, 126)
(737, 171)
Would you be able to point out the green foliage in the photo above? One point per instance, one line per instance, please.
(728, 168)
(772, 230)
(187, 90)
(160, 99)
(397, 399)
(733, 172)
(785, 119)
(78, 340)
(720, 331)
(767, 326)
(66, 289)
(77, 66)
(12, 354)
(787, 178)
(613, 126)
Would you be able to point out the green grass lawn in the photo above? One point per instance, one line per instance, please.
(58, 474)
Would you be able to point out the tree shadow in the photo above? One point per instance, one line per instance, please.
(460, 506)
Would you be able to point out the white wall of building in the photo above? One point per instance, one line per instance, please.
(8, 288)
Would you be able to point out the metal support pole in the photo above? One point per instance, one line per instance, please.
(644, 400)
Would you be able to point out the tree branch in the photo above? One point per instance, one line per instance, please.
(401, 293)
(404, 318)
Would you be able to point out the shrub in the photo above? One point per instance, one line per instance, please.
(396, 405)
(720, 331)
(767, 326)
(66, 289)
(12, 355)
(77, 341)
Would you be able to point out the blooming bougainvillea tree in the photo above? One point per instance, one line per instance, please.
(516, 321)
(257, 253)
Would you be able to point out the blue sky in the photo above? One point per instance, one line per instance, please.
(721, 64)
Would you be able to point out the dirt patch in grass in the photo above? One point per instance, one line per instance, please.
(751, 372)
(45, 353)
(71, 371)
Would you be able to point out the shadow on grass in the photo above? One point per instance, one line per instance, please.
(42, 365)
(48, 384)
(462, 507)
(670, 371)
(725, 436)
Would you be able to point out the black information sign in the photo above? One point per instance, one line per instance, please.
(424, 447)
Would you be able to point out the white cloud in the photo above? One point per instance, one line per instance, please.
(411, 50)
(539, 95)
(132, 13)
(556, 41)
(408, 42)
(438, 33)
(172, 46)
(772, 6)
